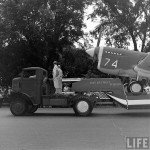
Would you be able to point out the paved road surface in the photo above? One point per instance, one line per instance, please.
(59, 129)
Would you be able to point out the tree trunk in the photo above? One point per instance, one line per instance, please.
(143, 43)
(99, 38)
(133, 39)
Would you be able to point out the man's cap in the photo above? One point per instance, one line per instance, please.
(55, 62)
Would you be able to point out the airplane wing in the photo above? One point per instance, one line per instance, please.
(143, 67)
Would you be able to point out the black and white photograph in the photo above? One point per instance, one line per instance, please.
(74, 74)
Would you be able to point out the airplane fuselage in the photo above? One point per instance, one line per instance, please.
(122, 62)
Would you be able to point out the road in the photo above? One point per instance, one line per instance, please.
(59, 129)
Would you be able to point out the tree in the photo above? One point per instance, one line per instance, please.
(124, 20)
(75, 62)
(34, 32)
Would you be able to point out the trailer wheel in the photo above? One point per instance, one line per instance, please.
(135, 87)
(18, 107)
(83, 107)
(32, 109)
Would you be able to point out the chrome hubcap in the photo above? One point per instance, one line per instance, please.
(136, 87)
(83, 106)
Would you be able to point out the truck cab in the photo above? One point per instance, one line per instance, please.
(30, 83)
(33, 89)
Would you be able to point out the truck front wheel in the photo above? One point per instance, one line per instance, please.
(83, 107)
(32, 109)
(18, 107)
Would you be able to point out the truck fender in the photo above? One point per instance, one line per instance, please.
(24, 96)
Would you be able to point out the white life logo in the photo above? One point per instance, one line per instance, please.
(114, 64)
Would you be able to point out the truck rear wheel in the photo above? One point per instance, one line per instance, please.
(83, 107)
(135, 87)
(18, 107)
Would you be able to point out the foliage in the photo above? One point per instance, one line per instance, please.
(123, 21)
(35, 32)
(75, 62)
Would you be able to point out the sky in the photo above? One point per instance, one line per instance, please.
(90, 26)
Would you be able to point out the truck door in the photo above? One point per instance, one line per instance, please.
(29, 84)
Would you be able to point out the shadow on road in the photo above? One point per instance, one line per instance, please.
(106, 115)
(53, 115)
(125, 115)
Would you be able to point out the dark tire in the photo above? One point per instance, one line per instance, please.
(1, 102)
(18, 107)
(135, 87)
(32, 109)
(83, 106)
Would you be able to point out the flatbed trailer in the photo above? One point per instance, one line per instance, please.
(29, 93)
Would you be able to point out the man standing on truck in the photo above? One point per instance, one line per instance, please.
(60, 78)
(56, 78)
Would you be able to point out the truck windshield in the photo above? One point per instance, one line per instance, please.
(29, 74)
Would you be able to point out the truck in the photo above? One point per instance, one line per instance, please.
(33, 90)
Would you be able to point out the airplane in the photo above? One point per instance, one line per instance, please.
(124, 63)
